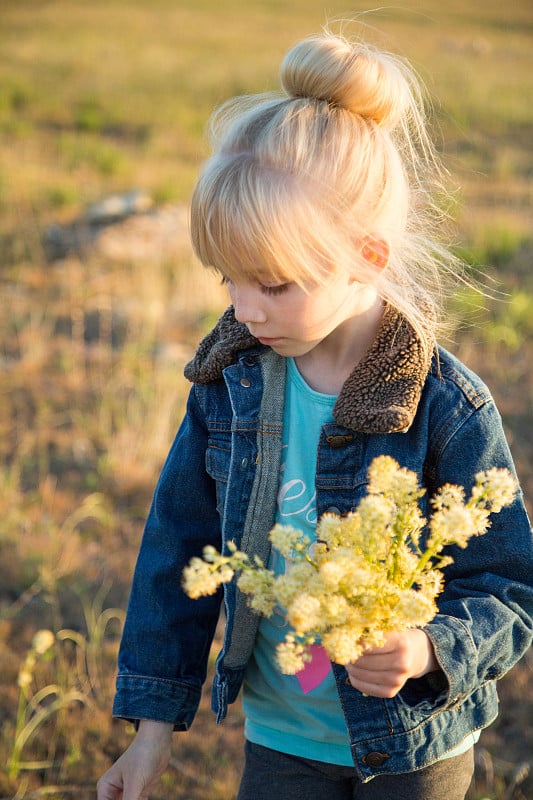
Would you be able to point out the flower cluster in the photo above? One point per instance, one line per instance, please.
(41, 643)
(367, 573)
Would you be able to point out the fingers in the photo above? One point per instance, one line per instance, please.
(382, 672)
(107, 789)
(129, 788)
(382, 683)
(132, 777)
(138, 770)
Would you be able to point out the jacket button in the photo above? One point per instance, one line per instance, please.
(375, 759)
(246, 383)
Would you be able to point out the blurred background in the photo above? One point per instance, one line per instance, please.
(103, 108)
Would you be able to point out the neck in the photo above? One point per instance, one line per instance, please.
(328, 365)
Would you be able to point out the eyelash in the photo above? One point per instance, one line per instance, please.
(275, 290)
(269, 290)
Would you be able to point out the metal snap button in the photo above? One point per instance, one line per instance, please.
(375, 759)
(245, 383)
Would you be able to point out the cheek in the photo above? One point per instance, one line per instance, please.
(316, 314)
(299, 317)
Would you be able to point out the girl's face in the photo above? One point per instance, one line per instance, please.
(293, 320)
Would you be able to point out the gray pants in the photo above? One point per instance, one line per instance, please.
(269, 774)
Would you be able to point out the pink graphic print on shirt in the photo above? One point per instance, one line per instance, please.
(315, 671)
(296, 500)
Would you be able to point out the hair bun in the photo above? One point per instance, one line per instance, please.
(352, 76)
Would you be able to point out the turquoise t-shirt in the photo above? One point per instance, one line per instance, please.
(299, 714)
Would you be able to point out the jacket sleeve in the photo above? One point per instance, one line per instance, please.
(167, 637)
(485, 618)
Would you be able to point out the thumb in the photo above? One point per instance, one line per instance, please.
(108, 788)
(133, 788)
(137, 785)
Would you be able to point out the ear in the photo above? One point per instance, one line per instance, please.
(375, 252)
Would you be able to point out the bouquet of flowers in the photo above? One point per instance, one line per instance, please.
(366, 574)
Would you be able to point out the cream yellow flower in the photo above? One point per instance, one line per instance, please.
(304, 614)
(199, 579)
(43, 641)
(456, 525)
(388, 478)
(496, 488)
(297, 577)
(291, 656)
(416, 606)
(366, 574)
(25, 676)
(258, 584)
(288, 540)
(343, 643)
(336, 608)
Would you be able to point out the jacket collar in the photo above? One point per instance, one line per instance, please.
(380, 396)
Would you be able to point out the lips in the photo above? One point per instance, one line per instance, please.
(267, 341)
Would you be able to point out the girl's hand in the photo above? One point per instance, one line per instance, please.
(139, 768)
(382, 671)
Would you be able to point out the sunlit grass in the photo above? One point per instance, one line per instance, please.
(129, 95)
(107, 97)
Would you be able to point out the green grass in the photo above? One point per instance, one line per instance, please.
(118, 94)
(107, 97)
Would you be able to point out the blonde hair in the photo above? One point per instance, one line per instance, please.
(298, 179)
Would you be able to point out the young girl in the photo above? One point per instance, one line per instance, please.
(316, 209)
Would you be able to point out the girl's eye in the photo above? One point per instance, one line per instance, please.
(264, 288)
(274, 290)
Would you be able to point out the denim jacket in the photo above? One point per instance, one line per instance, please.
(220, 483)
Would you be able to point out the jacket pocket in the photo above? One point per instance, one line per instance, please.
(419, 699)
(217, 464)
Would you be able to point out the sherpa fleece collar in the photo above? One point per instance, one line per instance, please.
(380, 396)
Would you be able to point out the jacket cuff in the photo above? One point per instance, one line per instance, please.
(138, 697)
(456, 654)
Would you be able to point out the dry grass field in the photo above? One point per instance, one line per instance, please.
(98, 315)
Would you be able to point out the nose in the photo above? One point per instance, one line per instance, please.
(247, 302)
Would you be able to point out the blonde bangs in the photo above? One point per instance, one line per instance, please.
(254, 222)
